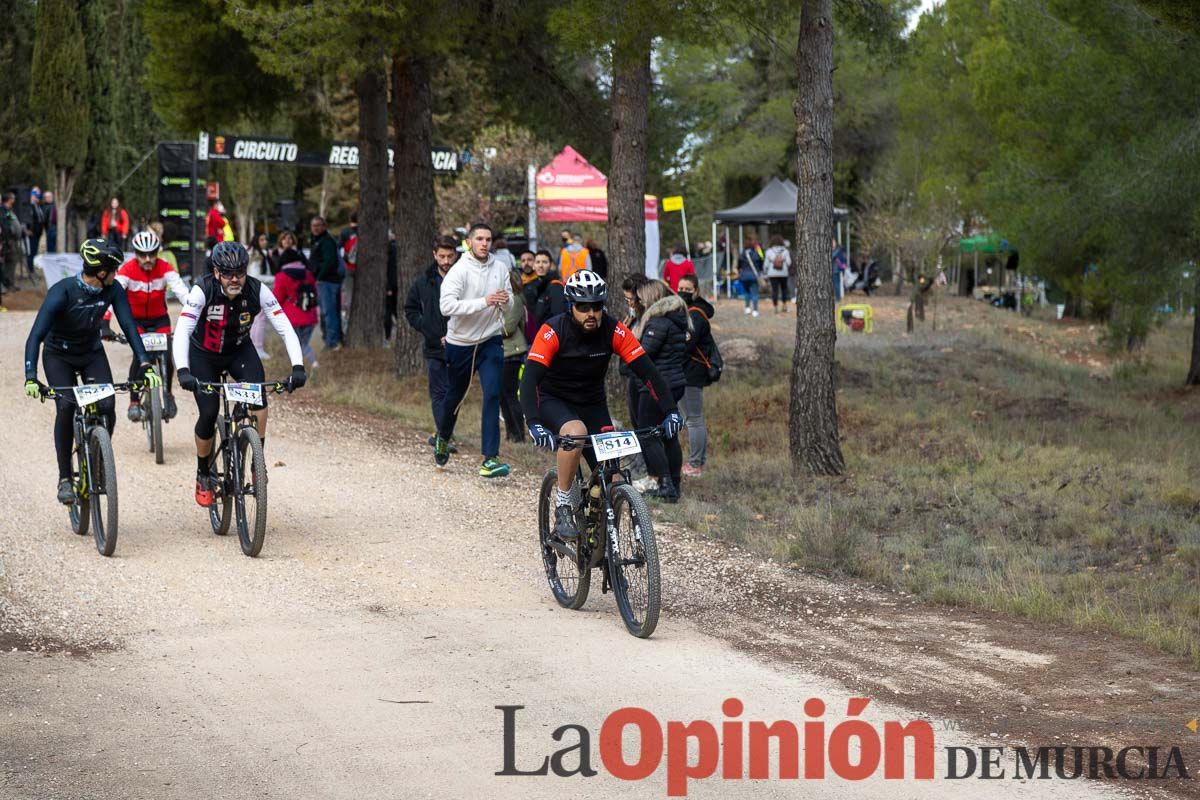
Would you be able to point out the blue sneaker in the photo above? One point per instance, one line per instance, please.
(493, 467)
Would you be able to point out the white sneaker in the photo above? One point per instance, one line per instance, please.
(645, 484)
(746, 310)
(755, 314)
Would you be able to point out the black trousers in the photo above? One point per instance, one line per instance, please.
(510, 406)
(664, 457)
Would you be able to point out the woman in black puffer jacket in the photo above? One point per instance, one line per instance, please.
(663, 329)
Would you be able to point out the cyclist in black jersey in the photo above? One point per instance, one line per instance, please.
(68, 322)
(213, 337)
(562, 390)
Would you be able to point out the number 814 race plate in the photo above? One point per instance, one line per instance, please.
(615, 444)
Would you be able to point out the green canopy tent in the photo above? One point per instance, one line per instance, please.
(988, 243)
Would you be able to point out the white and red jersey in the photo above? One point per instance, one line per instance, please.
(147, 288)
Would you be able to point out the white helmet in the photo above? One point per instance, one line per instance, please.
(585, 286)
(145, 242)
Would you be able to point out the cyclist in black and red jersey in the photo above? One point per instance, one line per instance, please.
(213, 337)
(562, 390)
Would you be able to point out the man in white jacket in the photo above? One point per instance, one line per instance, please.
(473, 299)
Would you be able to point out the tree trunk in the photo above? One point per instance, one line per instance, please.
(416, 229)
(64, 188)
(365, 328)
(1193, 376)
(812, 418)
(627, 182)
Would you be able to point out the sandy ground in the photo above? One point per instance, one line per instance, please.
(394, 606)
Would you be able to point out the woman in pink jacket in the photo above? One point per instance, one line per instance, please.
(296, 290)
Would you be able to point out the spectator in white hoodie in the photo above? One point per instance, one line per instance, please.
(778, 263)
(474, 296)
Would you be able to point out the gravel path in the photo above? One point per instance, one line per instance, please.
(363, 654)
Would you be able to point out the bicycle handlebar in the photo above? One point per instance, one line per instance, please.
(119, 338)
(571, 442)
(274, 387)
(55, 391)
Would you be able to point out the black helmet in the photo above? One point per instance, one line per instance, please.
(100, 256)
(230, 258)
(586, 286)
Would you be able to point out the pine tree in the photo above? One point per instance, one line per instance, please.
(59, 99)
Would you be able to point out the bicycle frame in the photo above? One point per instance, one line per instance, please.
(227, 428)
(85, 418)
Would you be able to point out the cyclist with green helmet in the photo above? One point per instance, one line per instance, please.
(68, 323)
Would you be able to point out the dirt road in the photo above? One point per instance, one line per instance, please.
(395, 606)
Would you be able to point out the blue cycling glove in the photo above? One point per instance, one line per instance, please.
(541, 435)
(672, 424)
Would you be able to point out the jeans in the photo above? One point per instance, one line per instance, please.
(52, 239)
(439, 381)
(693, 414)
(330, 300)
(488, 358)
(750, 293)
(304, 334)
(838, 288)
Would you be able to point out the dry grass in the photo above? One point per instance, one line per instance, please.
(1003, 463)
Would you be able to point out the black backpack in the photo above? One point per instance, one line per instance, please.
(306, 297)
(709, 355)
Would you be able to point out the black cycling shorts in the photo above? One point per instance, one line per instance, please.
(243, 365)
(554, 412)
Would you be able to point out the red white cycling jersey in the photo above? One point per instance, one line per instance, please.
(147, 289)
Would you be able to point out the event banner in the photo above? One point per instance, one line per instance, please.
(276, 150)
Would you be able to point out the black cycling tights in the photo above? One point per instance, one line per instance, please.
(61, 370)
(243, 364)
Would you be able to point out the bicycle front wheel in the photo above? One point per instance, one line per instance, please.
(152, 422)
(634, 572)
(103, 478)
(568, 583)
(250, 496)
(220, 513)
(80, 511)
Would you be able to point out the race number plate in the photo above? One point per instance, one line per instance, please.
(244, 393)
(615, 444)
(90, 393)
(154, 342)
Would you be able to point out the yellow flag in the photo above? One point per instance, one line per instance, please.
(672, 203)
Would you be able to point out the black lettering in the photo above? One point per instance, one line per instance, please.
(1041, 762)
(1175, 759)
(952, 763)
(1059, 765)
(1122, 770)
(989, 759)
(1095, 764)
(510, 745)
(583, 746)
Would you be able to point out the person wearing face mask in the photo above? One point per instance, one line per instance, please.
(703, 368)
(213, 338)
(68, 322)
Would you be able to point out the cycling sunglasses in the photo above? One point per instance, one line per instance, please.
(586, 307)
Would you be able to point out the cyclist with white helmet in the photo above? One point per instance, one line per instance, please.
(562, 390)
(146, 279)
(213, 339)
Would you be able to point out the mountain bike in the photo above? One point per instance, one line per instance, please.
(616, 534)
(94, 470)
(242, 474)
(155, 345)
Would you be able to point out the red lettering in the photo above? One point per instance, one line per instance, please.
(814, 740)
(760, 750)
(731, 740)
(650, 749)
(679, 770)
(894, 734)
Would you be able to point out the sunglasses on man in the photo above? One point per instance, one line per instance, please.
(585, 308)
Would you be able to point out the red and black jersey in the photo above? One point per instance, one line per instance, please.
(576, 362)
(222, 324)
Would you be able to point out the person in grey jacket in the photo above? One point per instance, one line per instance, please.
(778, 264)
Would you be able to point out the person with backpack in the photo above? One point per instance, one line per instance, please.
(296, 290)
(778, 262)
(750, 265)
(703, 369)
(573, 257)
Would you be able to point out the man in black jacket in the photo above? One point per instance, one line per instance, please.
(323, 261)
(423, 311)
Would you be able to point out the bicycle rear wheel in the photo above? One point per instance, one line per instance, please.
(250, 496)
(80, 511)
(568, 583)
(635, 574)
(152, 423)
(103, 475)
